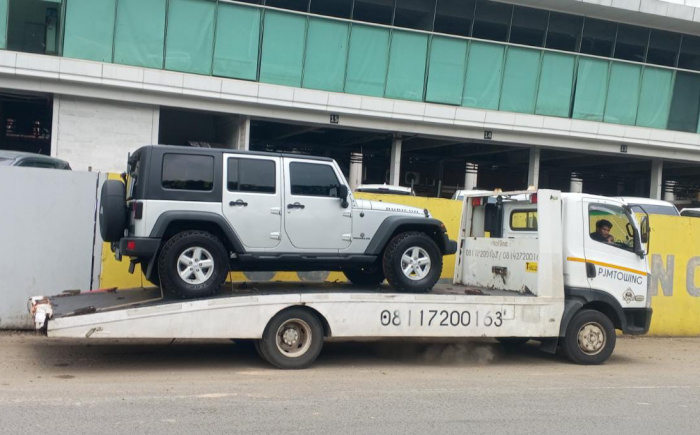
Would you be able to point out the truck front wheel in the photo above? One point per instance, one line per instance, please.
(412, 262)
(193, 264)
(292, 340)
(590, 338)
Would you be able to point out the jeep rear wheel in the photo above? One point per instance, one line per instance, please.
(193, 264)
(370, 276)
(412, 262)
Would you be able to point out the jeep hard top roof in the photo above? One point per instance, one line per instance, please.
(217, 151)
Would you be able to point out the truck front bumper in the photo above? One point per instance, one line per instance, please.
(637, 320)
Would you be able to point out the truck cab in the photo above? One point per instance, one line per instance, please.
(587, 252)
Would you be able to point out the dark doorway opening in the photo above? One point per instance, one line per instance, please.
(26, 122)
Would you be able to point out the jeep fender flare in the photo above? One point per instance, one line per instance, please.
(167, 218)
(392, 224)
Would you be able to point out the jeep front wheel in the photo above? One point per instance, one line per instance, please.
(412, 262)
(193, 264)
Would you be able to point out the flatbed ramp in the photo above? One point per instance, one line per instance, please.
(244, 310)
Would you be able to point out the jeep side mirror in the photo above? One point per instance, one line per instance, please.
(343, 195)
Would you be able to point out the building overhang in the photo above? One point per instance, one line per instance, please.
(675, 16)
(65, 76)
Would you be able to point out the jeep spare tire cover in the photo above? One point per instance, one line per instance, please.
(113, 213)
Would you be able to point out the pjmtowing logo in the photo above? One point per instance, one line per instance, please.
(620, 276)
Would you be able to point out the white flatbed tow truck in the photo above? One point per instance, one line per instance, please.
(525, 270)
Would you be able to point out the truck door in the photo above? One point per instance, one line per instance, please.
(611, 238)
(314, 217)
(252, 199)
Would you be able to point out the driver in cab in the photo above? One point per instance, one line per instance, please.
(602, 232)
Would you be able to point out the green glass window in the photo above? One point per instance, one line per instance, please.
(283, 48)
(89, 29)
(482, 87)
(520, 80)
(655, 98)
(685, 106)
(367, 60)
(623, 93)
(556, 85)
(406, 76)
(326, 55)
(237, 42)
(591, 87)
(190, 39)
(448, 61)
(140, 33)
(3, 23)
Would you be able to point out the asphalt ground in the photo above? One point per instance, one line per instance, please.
(649, 385)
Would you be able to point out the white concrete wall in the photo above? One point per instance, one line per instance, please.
(100, 133)
(48, 237)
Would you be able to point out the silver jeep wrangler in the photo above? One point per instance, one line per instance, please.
(191, 215)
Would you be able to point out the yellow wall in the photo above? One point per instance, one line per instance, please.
(674, 256)
(675, 260)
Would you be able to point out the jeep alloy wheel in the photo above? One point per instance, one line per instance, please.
(412, 262)
(195, 265)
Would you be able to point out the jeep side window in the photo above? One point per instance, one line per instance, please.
(310, 179)
(188, 172)
(251, 175)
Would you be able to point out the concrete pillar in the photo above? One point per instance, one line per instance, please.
(533, 170)
(234, 131)
(657, 172)
(395, 163)
(355, 170)
(471, 175)
(669, 191)
(576, 184)
(243, 133)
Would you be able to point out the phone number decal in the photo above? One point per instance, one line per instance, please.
(441, 318)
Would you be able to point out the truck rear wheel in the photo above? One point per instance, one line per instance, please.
(590, 338)
(193, 264)
(370, 276)
(292, 340)
(412, 262)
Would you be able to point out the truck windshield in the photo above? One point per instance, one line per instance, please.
(612, 225)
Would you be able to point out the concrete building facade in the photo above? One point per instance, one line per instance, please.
(522, 92)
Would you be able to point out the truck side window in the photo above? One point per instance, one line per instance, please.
(188, 172)
(523, 220)
(310, 179)
(611, 225)
(251, 175)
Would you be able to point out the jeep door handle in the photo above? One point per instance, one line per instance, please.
(295, 205)
(238, 203)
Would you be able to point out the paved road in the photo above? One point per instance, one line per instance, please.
(650, 385)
